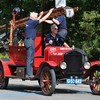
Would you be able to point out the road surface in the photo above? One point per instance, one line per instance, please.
(30, 90)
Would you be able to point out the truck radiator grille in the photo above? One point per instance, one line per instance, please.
(74, 63)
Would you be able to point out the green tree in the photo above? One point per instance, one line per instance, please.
(83, 28)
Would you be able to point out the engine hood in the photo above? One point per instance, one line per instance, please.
(55, 53)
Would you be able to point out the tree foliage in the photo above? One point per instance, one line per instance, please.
(83, 28)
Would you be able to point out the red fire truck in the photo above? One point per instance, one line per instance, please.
(52, 66)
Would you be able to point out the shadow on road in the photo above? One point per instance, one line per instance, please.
(37, 90)
(70, 91)
(25, 89)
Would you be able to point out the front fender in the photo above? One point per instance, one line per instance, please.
(51, 64)
(93, 64)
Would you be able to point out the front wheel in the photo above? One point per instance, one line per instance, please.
(48, 81)
(95, 78)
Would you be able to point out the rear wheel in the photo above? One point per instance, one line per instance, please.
(95, 78)
(48, 81)
(3, 81)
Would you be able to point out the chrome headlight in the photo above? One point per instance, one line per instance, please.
(63, 65)
(87, 65)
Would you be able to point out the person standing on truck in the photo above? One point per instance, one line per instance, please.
(30, 30)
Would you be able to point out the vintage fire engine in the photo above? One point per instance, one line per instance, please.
(52, 65)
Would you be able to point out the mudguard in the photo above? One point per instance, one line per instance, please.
(93, 64)
(51, 64)
(4, 63)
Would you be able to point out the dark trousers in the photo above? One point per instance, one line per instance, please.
(29, 44)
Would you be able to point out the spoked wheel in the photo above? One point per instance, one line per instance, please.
(3, 81)
(95, 78)
(48, 81)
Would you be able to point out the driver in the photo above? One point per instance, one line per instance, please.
(54, 39)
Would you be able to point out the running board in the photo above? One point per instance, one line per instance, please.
(24, 78)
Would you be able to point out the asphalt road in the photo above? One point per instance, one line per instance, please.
(30, 90)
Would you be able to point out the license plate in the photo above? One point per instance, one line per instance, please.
(73, 81)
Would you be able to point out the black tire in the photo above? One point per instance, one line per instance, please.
(39, 81)
(47, 81)
(3, 81)
(95, 77)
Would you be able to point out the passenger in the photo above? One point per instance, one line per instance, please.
(30, 31)
(54, 39)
